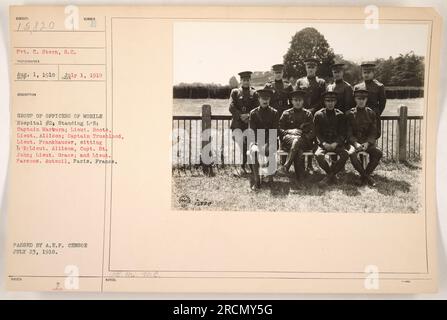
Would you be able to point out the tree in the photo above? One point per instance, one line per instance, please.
(408, 70)
(402, 71)
(306, 43)
(233, 82)
(260, 78)
(384, 70)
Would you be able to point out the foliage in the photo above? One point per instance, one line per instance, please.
(306, 43)
(233, 82)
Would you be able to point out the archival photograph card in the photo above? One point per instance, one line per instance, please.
(223, 149)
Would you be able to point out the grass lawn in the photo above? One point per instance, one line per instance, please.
(398, 191)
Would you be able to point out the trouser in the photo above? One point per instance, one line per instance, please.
(242, 147)
(374, 158)
(379, 126)
(296, 146)
(298, 165)
(260, 163)
(336, 165)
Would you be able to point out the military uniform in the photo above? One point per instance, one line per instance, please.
(262, 119)
(296, 133)
(281, 90)
(361, 125)
(242, 101)
(314, 88)
(296, 123)
(361, 128)
(376, 96)
(330, 127)
(345, 98)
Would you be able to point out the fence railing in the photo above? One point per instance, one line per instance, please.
(223, 92)
(401, 138)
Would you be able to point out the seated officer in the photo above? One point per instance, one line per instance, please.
(362, 130)
(264, 123)
(330, 129)
(296, 133)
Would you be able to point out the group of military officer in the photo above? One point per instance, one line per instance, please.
(337, 118)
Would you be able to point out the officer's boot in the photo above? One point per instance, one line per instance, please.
(310, 167)
(290, 157)
(323, 163)
(334, 159)
(359, 167)
(373, 163)
(256, 183)
(325, 166)
(244, 157)
(299, 166)
(338, 165)
(244, 166)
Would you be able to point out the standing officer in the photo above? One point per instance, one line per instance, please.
(296, 133)
(281, 89)
(330, 129)
(345, 99)
(242, 101)
(312, 85)
(314, 88)
(376, 92)
(263, 121)
(361, 124)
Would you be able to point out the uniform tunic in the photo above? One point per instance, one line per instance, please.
(263, 118)
(376, 99)
(330, 126)
(361, 123)
(314, 88)
(281, 91)
(376, 95)
(345, 98)
(242, 101)
(362, 128)
(291, 120)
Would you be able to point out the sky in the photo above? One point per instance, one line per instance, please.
(212, 52)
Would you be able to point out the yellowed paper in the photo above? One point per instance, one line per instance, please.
(91, 204)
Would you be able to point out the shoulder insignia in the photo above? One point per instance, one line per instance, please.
(254, 110)
(360, 85)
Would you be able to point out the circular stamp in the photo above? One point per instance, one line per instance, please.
(184, 201)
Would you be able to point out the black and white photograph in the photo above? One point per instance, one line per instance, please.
(298, 116)
(214, 151)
